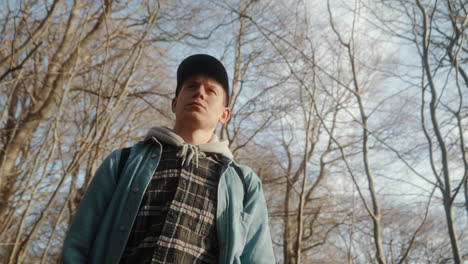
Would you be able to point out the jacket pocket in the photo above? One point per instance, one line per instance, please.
(245, 219)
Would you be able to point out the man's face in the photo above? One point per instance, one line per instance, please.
(201, 103)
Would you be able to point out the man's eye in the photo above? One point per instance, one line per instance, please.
(213, 91)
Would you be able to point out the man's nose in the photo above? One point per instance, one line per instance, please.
(200, 91)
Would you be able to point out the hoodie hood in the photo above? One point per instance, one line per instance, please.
(188, 151)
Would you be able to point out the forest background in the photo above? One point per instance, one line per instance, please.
(353, 113)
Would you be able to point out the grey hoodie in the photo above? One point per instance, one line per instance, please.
(189, 151)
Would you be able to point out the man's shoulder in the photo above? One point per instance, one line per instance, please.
(142, 146)
(137, 150)
(247, 173)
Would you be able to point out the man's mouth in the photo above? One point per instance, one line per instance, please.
(198, 104)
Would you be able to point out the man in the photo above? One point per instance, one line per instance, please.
(180, 198)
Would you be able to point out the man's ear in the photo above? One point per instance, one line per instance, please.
(173, 104)
(225, 115)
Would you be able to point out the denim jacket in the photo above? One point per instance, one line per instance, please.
(104, 219)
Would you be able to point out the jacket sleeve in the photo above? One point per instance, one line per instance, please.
(88, 217)
(258, 247)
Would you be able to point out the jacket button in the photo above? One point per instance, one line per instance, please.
(122, 228)
(154, 156)
(135, 190)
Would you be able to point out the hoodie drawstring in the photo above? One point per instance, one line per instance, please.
(187, 153)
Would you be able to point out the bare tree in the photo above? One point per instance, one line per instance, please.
(374, 212)
(437, 33)
(80, 79)
(75, 83)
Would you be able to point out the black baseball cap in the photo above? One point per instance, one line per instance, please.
(202, 64)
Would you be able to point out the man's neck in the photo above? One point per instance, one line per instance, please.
(196, 136)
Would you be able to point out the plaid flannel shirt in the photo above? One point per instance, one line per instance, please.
(176, 219)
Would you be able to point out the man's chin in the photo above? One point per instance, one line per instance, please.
(195, 120)
(191, 119)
